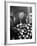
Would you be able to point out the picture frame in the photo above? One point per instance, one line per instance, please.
(9, 6)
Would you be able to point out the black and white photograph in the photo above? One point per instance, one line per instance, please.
(20, 23)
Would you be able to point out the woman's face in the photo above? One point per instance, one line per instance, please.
(21, 15)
